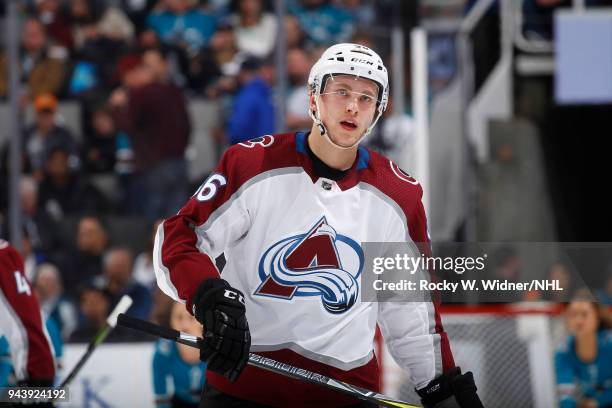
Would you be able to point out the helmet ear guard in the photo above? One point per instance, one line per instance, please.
(348, 59)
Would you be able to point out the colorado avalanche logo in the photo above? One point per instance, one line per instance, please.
(319, 263)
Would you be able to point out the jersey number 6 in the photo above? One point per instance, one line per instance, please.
(208, 190)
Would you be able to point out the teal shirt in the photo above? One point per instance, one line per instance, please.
(193, 29)
(187, 379)
(323, 25)
(6, 367)
(577, 380)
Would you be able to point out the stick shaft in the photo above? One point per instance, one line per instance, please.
(267, 364)
(124, 304)
(98, 338)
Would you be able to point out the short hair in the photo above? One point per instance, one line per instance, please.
(107, 255)
(48, 268)
(101, 220)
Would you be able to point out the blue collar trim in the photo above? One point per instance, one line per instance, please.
(300, 142)
(364, 158)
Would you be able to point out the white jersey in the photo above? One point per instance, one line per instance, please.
(292, 241)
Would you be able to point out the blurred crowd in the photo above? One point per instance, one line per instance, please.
(133, 68)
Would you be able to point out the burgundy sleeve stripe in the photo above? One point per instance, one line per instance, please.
(162, 273)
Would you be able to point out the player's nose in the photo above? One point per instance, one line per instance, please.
(352, 107)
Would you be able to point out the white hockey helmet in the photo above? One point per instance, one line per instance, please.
(349, 59)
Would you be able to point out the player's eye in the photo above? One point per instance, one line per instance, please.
(366, 99)
(342, 92)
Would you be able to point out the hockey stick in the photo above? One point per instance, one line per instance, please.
(268, 364)
(123, 305)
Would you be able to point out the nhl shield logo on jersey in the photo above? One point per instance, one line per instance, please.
(263, 141)
(319, 263)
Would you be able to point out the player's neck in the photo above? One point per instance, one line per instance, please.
(334, 157)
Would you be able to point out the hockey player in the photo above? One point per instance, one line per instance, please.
(288, 212)
(21, 322)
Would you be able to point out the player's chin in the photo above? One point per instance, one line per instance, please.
(345, 139)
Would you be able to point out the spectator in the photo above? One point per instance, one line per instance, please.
(45, 134)
(298, 68)
(154, 115)
(94, 308)
(323, 23)
(53, 16)
(94, 19)
(64, 193)
(224, 47)
(224, 62)
(101, 34)
(100, 147)
(252, 112)
(560, 272)
(144, 273)
(218, 8)
(42, 67)
(362, 12)
(181, 25)
(184, 69)
(53, 302)
(294, 35)
(155, 60)
(118, 281)
(584, 372)
(256, 30)
(30, 260)
(137, 11)
(38, 224)
(148, 39)
(6, 364)
(506, 267)
(84, 262)
(179, 363)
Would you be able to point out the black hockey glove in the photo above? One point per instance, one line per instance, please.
(227, 340)
(451, 390)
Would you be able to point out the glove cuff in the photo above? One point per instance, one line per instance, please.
(438, 389)
(201, 299)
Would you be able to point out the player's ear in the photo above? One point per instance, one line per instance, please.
(311, 102)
